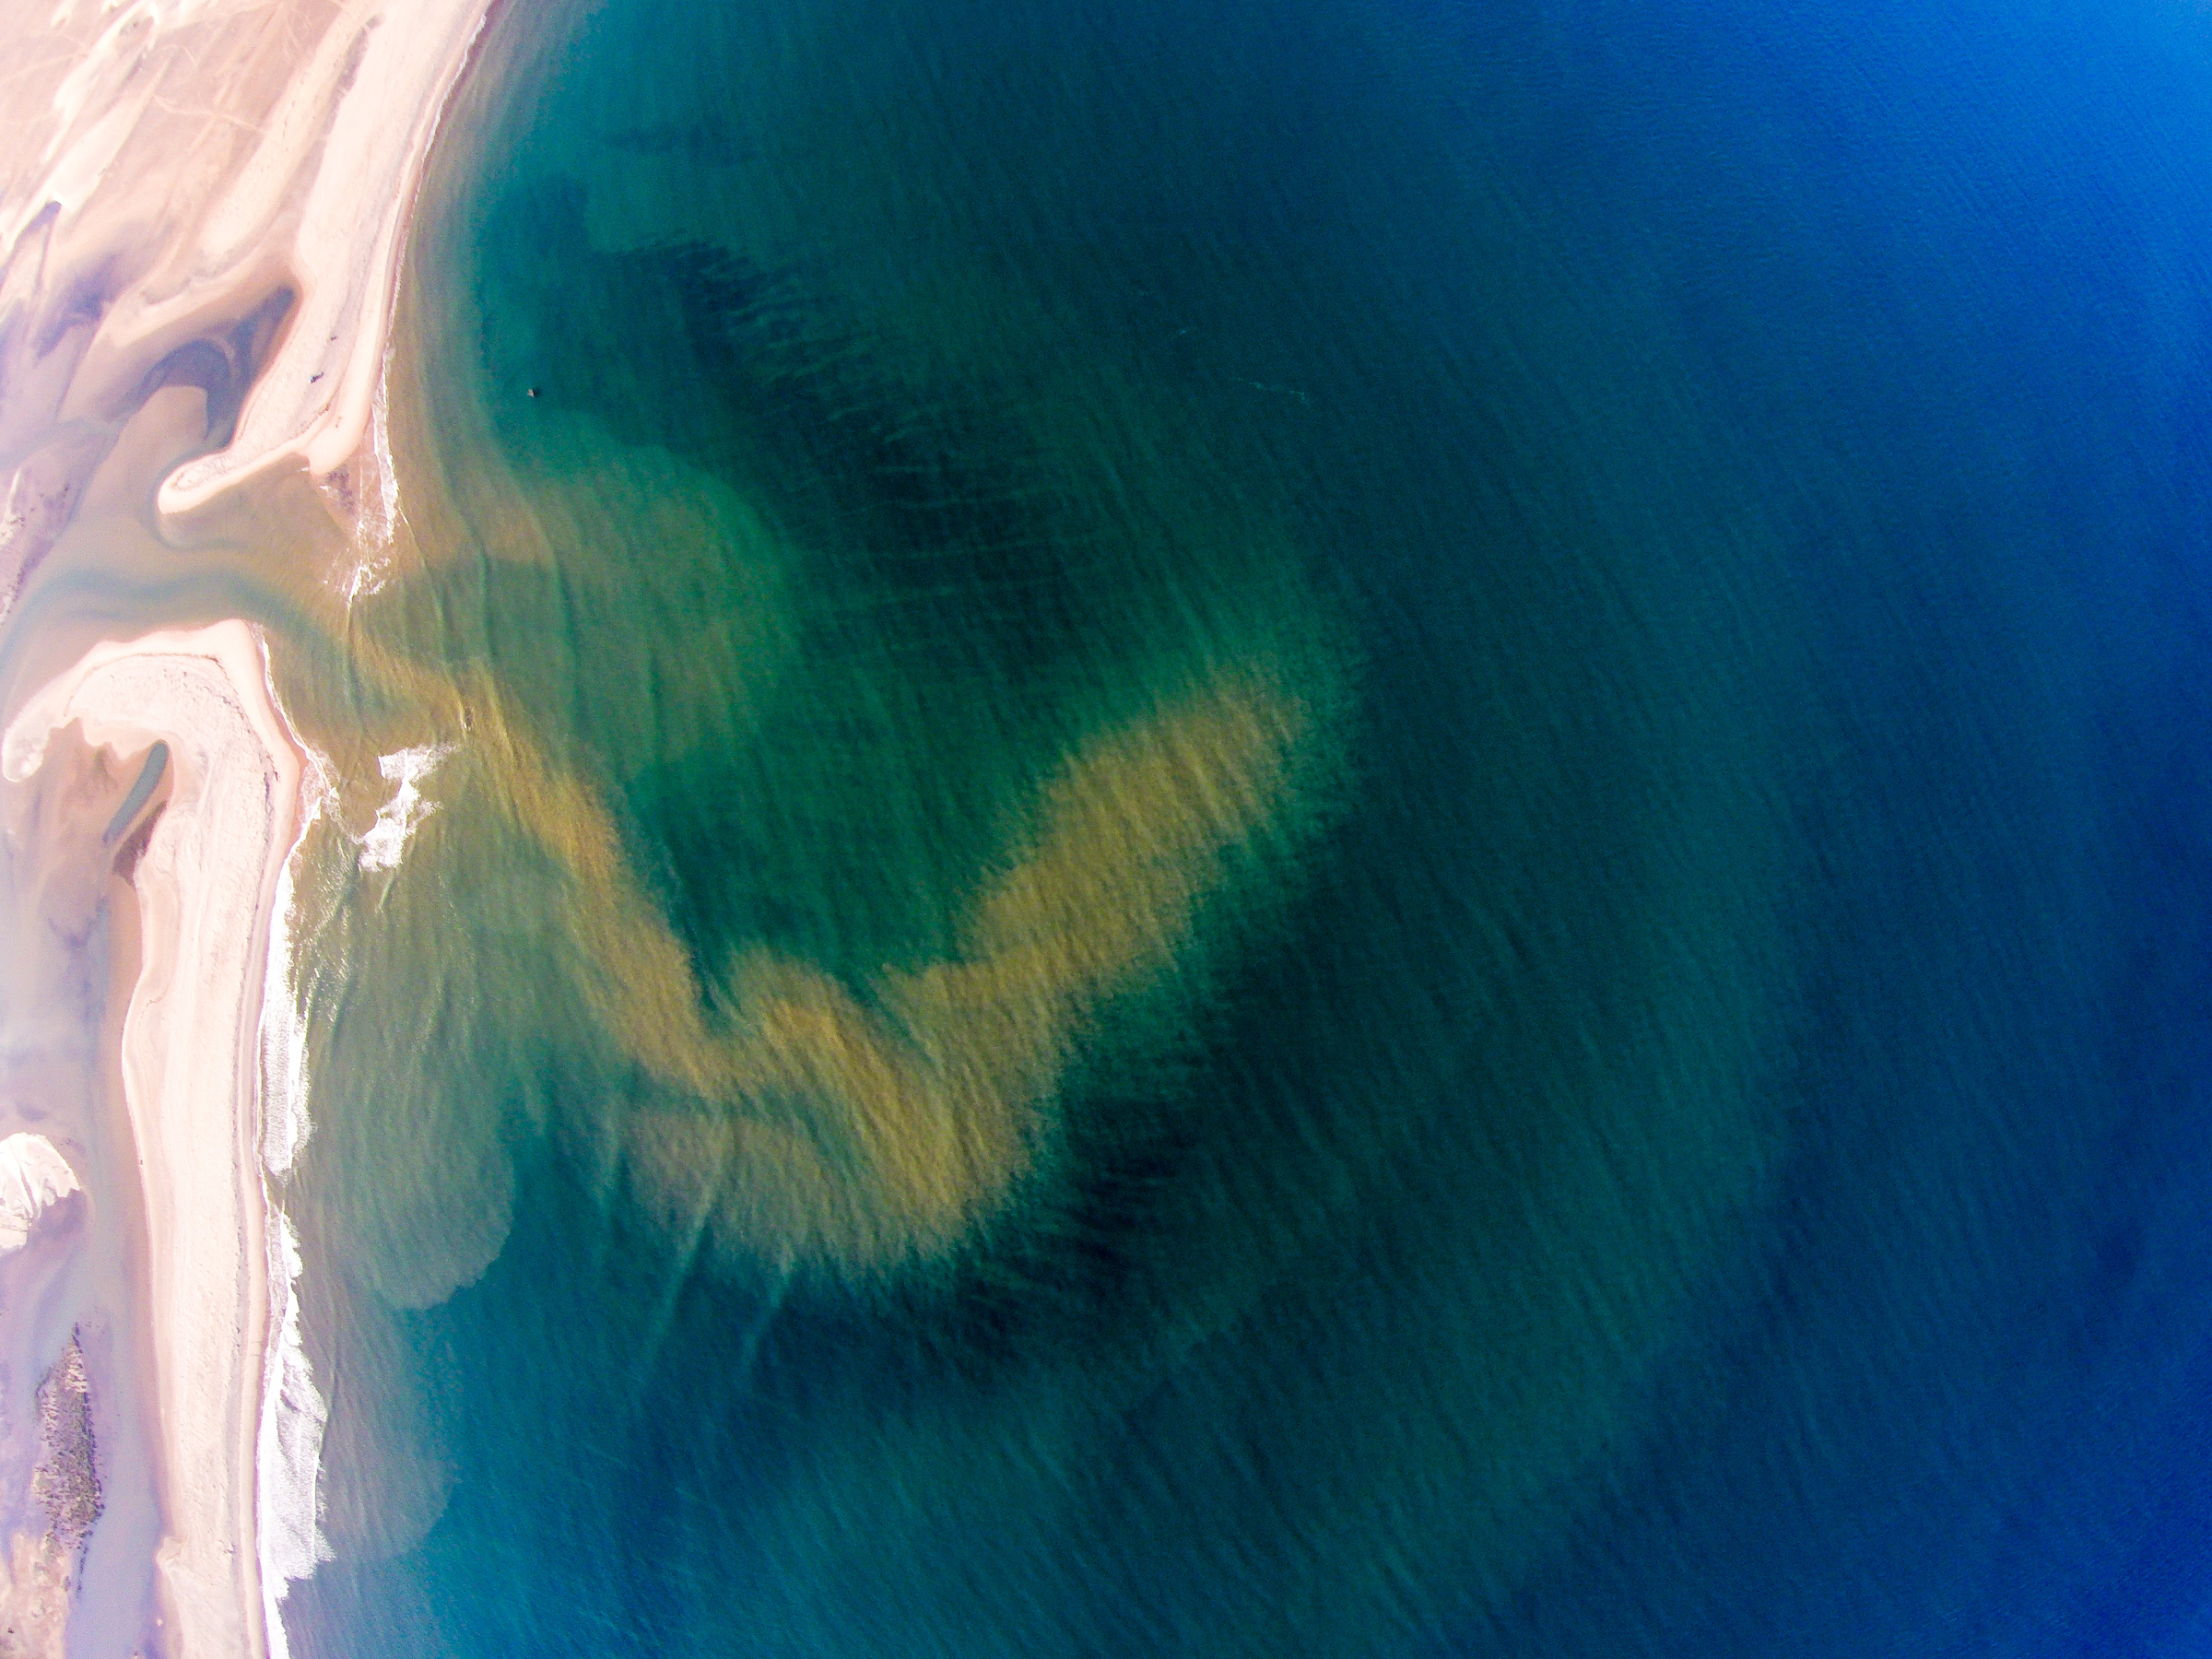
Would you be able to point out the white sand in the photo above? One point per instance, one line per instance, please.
(164, 167)
(191, 1045)
(33, 1176)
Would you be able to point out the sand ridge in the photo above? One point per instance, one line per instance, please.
(207, 883)
(210, 195)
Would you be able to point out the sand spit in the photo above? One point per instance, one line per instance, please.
(202, 199)
(207, 883)
(32, 1176)
(210, 194)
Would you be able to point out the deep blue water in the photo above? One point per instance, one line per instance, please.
(1697, 1147)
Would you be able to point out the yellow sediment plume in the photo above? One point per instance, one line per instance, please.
(871, 1127)
(868, 1135)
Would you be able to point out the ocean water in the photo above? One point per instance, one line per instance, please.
(1327, 828)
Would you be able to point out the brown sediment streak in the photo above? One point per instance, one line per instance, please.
(207, 880)
(872, 1127)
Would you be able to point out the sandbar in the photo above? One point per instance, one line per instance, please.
(211, 197)
(206, 885)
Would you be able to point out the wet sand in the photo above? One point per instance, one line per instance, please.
(201, 212)
(206, 886)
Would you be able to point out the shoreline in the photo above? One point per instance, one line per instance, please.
(192, 172)
(168, 187)
(207, 884)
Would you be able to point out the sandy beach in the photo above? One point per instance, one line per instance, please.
(212, 198)
(205, 884)
(191, 165)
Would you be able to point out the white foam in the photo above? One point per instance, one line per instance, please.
(287, 1462)
(304, 172)
(376, 523)
(399, 818)
(283, 1031)
(32, 1176)
(289, 1447)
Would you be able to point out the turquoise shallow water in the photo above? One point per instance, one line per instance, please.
(1326, 829)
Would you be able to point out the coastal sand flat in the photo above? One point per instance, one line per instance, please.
(170, 171)
(207, 884)
(166, 168)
